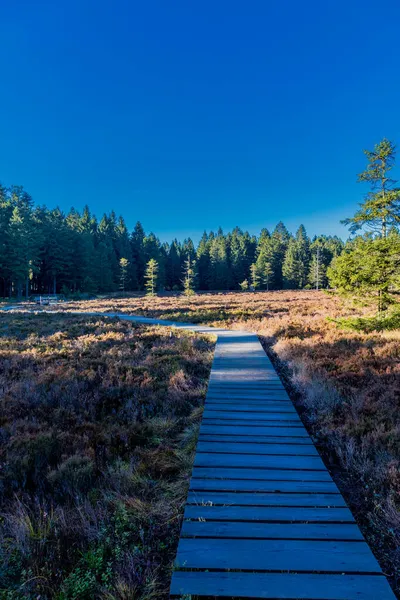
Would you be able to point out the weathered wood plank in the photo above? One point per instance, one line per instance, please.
(241, 407)
(260, 474)
(240, 485)
(250, 430)
(250, 416)
(249, 448)
(255, 439)
(264, 499)
(269, 513)
(249, 461)
(263, 400)
(209, 420)
(277, 531)
(273, 555)
(282, 586)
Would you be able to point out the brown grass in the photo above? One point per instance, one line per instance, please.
(346, 384)
(98, 426)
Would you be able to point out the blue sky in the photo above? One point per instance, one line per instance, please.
(190, 115)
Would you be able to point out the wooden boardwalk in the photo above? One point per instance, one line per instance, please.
(263, 517)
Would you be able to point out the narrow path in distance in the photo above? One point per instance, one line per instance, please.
(263, 517)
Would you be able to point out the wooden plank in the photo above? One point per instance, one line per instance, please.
(240, 485)
(250, 416)
(251, 408)
(250, 401)
(250, 430)
(278, 449)
(269, 514)
(255, 439)
(208, 420)
(277, 531)
(281, 586)
(271, 390)
(249, 461)
(274, 555)
(264, 499)
(259, 474)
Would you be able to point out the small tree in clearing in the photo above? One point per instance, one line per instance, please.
(123, 266)
(151, 276)
(267, 274)
(189, 274)
(244, 286)
(255, 277)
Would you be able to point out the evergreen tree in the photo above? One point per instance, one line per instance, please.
(124, 266)
(267, 275)
(369, 269)
(151, 277)
(381, 208)
(279, 242)
(219, 268)
(138, 255)
(189, 275)
(296, 265)
(173, 266)
(204, 263)
(254, 277)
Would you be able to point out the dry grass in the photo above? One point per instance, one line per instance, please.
(98, 426)
(347, 384)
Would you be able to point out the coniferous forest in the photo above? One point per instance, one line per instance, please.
(46, 251)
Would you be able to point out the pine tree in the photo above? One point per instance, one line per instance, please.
(219, 272)
(254, 277)
(381, 209)
(279, 242)
(203, 262)
(295, 268)
(173, 266)
(189, 275)
(265, 258)
(290, 267)
(369, 269)
(151, 277)
(138, 255)
(267, 274)
(124, 266)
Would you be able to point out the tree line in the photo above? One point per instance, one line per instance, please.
(46, 251)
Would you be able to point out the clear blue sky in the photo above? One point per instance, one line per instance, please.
(188, 115)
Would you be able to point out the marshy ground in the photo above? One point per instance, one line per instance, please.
(99, 420)
(345, 382)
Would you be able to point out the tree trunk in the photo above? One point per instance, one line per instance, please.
(54, 284)
(27, 288)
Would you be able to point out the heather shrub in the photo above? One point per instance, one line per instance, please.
(95, 466)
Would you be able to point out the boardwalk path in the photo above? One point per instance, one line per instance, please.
(263, 518)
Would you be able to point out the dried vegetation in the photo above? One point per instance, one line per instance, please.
(98, 427)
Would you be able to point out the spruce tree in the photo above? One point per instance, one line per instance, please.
(151, 277)
(189, 275)
(254, 277)
(267, 274)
